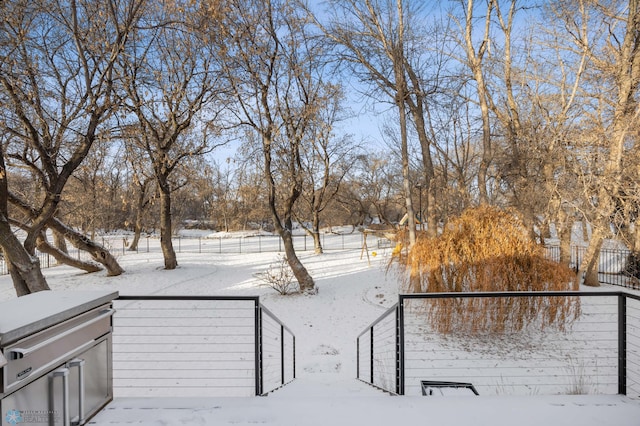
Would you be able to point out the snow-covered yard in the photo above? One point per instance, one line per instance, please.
(352, 294)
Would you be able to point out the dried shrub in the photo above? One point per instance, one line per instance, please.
(488, 250)
(279, 277)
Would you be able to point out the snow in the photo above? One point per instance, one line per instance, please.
(352, 293)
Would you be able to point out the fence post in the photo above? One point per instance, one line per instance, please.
(400, 346)
(358, 357)
(371, 366)
(622, 344)
(258, 347)
(282, 352)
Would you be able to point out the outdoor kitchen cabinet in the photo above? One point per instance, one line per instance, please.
(57, 347)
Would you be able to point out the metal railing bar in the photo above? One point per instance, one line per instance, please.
(258, 347)
(381, 318)
(468, 295)
(269, 313)
(185, 297)
(622, 344)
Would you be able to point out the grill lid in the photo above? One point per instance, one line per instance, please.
(34, 312)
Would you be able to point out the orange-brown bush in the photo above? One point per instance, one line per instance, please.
(488, 250)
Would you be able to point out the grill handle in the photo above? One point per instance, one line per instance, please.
(64, 374)
(19, 353)
(79, 363)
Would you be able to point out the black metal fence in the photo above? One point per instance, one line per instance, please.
(598, 351)
(257, 244)
(119, 246)
(615, 267)
(193, 346)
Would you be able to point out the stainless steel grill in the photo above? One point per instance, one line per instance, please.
(55, 357)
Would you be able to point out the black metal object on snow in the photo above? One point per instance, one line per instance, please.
(426, 384)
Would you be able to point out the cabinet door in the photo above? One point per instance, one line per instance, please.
(44, 401)
(90, 382)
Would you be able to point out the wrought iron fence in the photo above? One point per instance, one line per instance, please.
(192, 346)
(119, 246)
(598, 351)
(260, 243)
(618, 267)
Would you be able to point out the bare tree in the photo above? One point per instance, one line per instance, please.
(616, 62)
(98, 252)
(142, 185)
(372, 190)
(23, 267)
(267, 55)
(170, 87)
(371, 36)
(57, 78)
(327, 162)
(474, 60)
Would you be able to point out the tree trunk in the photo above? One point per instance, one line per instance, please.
(417, 112)
(19, 284)
(136, 239)
(59, 242)
(475, 64)
(584, 226)
(170, 261)
(303, 277)
(626, 71)
(98, 253)
(139, 212)
(564, 233)
(317, 243)
(397, 57)
(64, 258)
(305, 281)
(590, 261)
(24, 269)
(406, 183)
(315, 233)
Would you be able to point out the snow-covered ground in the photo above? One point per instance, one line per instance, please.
(352, 294)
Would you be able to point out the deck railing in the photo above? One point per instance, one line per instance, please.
(192, 346)
(598, 350)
